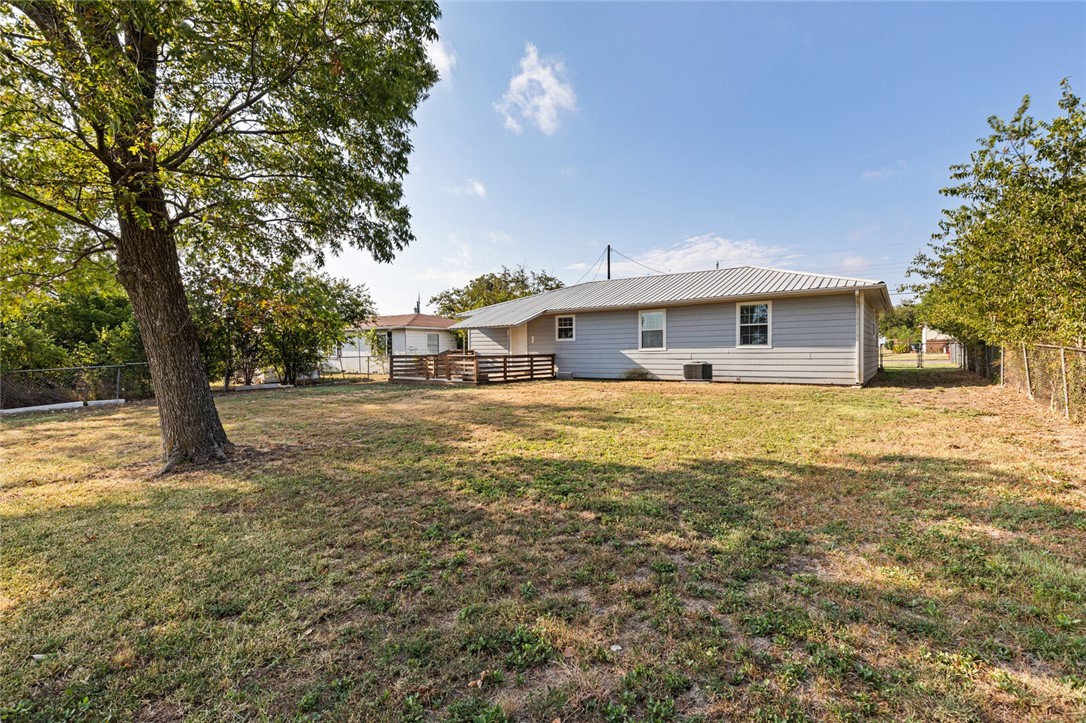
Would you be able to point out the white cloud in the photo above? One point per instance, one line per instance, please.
(883, 174)
(697, 253)
(470, 187)
(443, 56)
(537, 94)
(498, 237)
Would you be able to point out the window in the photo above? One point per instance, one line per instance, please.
(652, 330)
(564, 328)
(753, 324)
(433, 343)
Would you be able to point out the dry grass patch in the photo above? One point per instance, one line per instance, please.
(583, 551)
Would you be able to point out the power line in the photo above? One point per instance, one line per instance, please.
(655, 271)
(594, 265)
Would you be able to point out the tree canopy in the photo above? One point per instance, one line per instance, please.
(494, 288)
(279, 127)
(134, 128)
(1009, 263)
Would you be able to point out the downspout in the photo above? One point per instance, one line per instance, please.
(859, 338)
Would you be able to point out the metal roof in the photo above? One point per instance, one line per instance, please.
(664, 289)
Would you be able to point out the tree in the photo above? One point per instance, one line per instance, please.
(1009, 264)
(494, 288)
(307, 314)
(229, 308)
(132, 128)
(902, 325)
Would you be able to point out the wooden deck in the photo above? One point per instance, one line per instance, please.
(469, 368)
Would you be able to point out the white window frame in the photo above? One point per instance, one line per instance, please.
(738, 326)
(437, 337)
(663, 328)
(565, 316)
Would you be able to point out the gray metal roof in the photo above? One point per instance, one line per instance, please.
(647, 291)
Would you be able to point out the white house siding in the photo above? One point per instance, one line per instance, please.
(489, 341)
(399, 341)
(814, 342)
(415, 341)
(871, 342)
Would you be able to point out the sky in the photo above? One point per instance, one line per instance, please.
(805, 136)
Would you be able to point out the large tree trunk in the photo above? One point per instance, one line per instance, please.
(149, 270)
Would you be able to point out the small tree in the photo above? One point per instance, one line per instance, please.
(307, 315)
(229, 311)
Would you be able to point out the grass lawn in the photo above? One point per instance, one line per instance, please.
(573, 550)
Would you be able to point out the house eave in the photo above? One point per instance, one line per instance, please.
(884, 298)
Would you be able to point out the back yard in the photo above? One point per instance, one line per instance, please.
(573, 550)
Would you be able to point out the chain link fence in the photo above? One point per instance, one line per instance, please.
(38, 387)
(350, 363)
(1048, 374)
(918, 359)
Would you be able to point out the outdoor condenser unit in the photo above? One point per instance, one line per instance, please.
(698, 372)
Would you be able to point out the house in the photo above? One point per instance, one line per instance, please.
(752, 324)
(933, 341)
(397, 334)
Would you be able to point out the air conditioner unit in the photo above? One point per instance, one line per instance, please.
(698, 372)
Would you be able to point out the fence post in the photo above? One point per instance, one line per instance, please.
(391, 367)
(1002, 365)
(117, 395)
(1063, 368)
(1025, 362)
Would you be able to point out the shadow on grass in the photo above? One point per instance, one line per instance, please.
(914, 378)
(383, 571)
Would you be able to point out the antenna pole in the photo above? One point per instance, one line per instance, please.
(608, 261)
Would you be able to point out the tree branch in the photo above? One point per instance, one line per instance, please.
(84, 222)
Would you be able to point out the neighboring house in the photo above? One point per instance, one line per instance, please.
(399, 334)
(933, 341)
(752, 324)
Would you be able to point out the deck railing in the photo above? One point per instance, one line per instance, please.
(471, 368)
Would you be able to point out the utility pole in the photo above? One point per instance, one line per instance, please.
(608, 261)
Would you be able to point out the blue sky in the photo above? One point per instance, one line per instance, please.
(811, 136)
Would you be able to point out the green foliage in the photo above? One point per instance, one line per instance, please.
(250, 316)
(306, 314)
(902, 325)
(494, 288)
(1009, 264)
(227, 306)
(276, 127)
(76, 326)
(377, 340)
